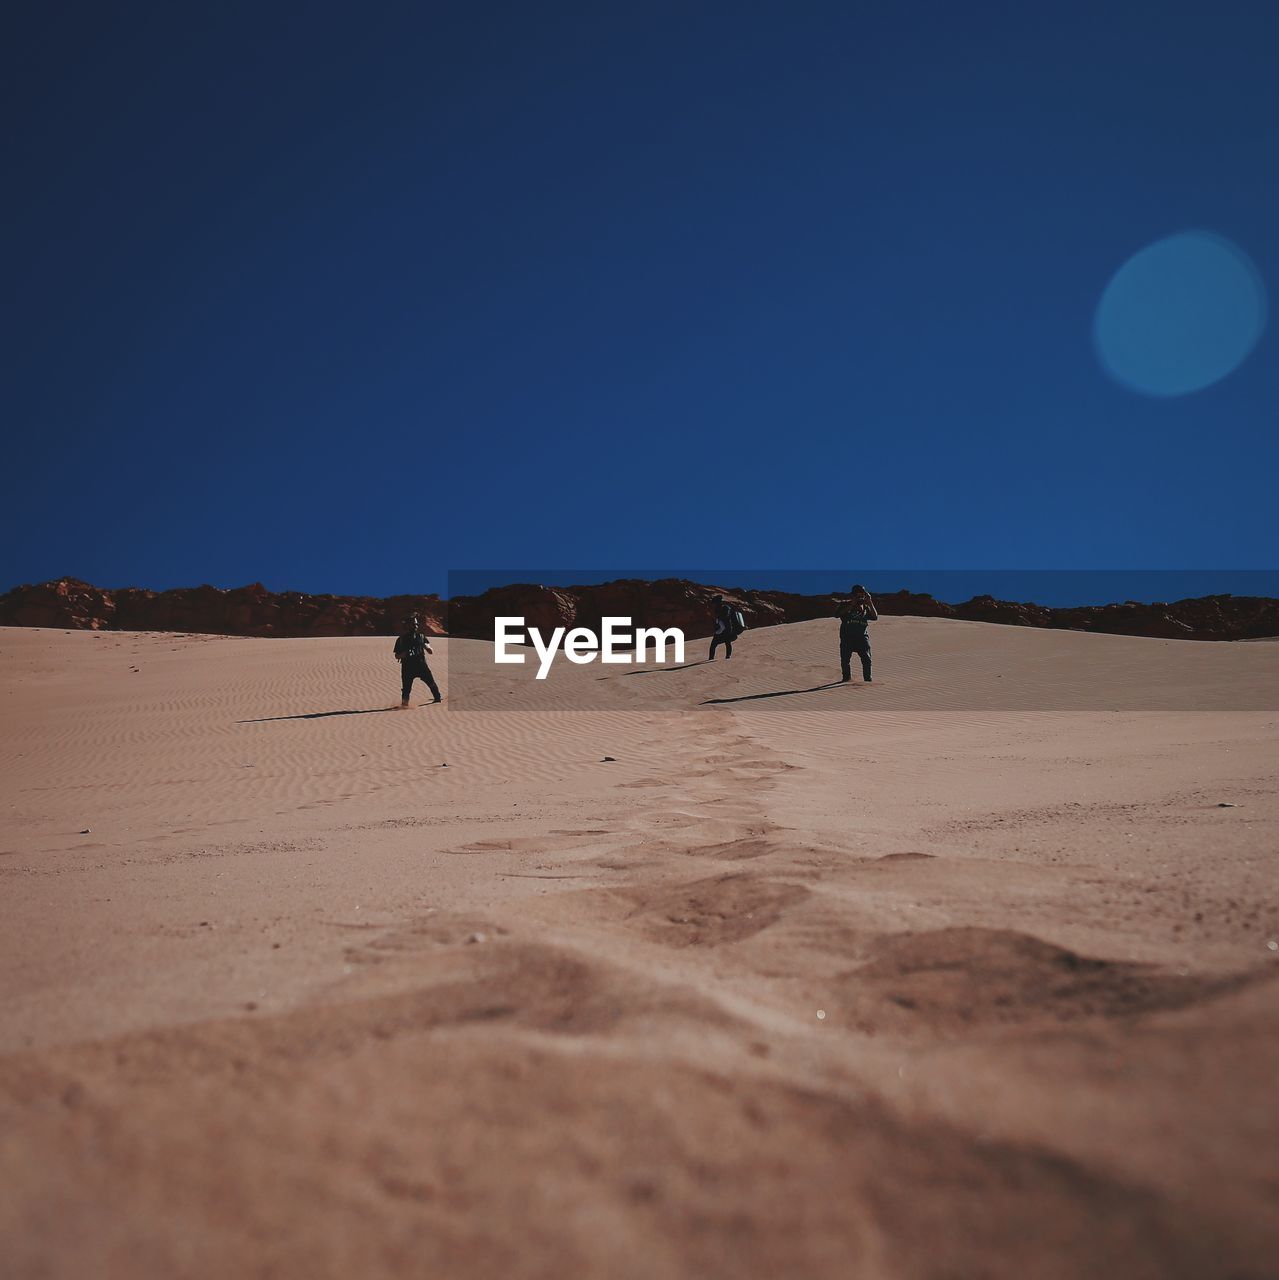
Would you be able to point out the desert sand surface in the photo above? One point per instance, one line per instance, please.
(970, 972)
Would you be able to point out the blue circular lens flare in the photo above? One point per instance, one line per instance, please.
(1180, 315)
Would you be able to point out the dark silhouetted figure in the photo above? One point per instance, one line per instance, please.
(726, 628)
(411, 650)
(855, 616)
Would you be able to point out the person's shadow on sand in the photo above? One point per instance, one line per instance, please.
(781, 693)
(321, 715)
(652, 671)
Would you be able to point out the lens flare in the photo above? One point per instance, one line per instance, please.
(1180, 315)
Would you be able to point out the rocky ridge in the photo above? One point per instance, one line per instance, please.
(70, 604)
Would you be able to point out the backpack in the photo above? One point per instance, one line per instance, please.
(737, 624)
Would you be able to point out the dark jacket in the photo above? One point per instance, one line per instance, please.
(411, 647)
(854, 619)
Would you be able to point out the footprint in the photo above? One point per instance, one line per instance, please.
(709, 913)
(951, 980)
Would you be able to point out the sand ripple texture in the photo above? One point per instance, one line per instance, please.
(726, 971)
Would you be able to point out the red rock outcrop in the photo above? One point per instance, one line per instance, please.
(675, 602)
(670, 602)
(241, 611)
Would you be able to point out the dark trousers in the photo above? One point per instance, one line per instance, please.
(416, 669)
(724, 638)
(849, 645)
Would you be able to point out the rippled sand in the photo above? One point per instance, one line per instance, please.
(964, 973)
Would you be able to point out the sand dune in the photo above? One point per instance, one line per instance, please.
(968, 972)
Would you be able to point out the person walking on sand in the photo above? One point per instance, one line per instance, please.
(855, 615)
(411, 651)
(725, 627)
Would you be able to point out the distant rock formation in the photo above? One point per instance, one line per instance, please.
(241, 611)
(670, 602)
(676, 602)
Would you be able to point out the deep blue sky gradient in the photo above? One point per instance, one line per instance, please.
(339, 297)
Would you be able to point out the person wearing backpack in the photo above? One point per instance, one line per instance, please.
(729, 624)
(411, 651)
(855, 615)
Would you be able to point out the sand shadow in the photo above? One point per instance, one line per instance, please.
(780, 693)
(652, 671)
(321, 715)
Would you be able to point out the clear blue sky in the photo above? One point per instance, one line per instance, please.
(341, 297)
